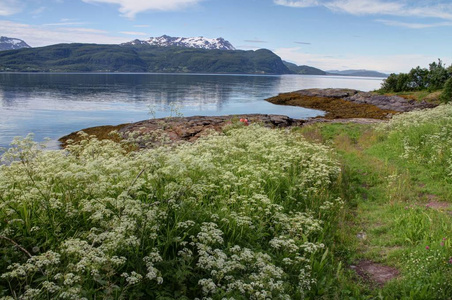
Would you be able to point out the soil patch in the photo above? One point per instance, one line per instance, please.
(375, 273)
(438, 205)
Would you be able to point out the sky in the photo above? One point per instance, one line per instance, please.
(383, 35)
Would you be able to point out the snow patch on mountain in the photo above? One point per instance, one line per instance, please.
(191, 42)
(7, 43)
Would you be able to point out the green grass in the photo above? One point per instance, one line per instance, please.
(424, 95)
(395, 171)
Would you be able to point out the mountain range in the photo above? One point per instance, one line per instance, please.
(359, 73)
(140, 58)
(156, 54)
(192, 42)
(7, 43)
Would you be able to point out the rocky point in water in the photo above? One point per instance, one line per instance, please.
(349, 103)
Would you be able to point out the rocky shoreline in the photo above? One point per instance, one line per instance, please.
(340, 105)
(181, 129)
(389, 102)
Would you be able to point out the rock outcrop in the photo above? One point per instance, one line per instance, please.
(175, 130)
(349, 103)
(395, 103)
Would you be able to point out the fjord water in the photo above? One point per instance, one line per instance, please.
(53, 105)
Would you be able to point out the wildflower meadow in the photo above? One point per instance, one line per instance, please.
(246, 214)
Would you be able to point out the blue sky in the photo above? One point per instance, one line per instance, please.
(382, 35)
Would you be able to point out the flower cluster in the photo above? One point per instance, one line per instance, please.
(239, 213)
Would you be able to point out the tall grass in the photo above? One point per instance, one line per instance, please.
(422, 140)
(398, 175)
(248, 214)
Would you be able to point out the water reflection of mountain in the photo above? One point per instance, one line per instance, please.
(58, 90)
(53, 105)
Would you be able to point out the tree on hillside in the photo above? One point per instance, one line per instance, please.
(419, 79)
(446, 95)
(390, 83)
(437, 75)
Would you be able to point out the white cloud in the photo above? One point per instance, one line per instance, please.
(37, 36)
(364, 7)
(133, 33)
(129, 8)
(38, 11)
(10, 7)
(84, 30)
(255, 41)
(413, 25)
(441, 9)
(381, 63)
(65, 24)
(297, 3)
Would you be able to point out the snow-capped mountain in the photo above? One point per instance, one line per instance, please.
(191, 42)
(7, 43)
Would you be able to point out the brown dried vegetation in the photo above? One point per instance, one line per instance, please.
(335, 108)
(100, 132)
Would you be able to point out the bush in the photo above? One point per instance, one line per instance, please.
(437, 75)
(418, 79)
(390, 83)
(446, 95)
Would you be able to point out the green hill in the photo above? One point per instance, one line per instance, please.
(139, 58)
(303, 70)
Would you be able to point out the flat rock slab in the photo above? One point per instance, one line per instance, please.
(187, 127)
(389, 102)
(375, 273)
(328, 93)
(178, 129)
(191, 128)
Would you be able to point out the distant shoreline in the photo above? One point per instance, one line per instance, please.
(182, 73)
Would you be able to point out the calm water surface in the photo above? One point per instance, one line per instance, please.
(53, 105)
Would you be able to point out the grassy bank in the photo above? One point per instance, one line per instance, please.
(325, 211)
(400, 189)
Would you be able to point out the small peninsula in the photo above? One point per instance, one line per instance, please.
(349, 103)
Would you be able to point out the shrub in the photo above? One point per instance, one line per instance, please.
(418, 78)
(446, 95)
